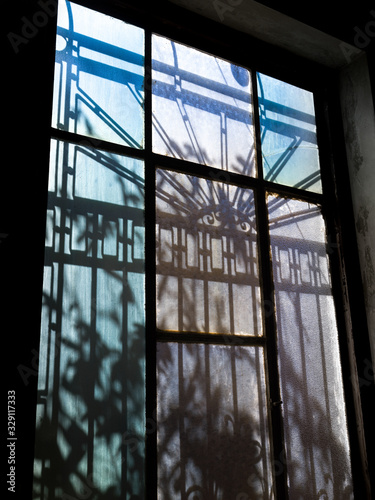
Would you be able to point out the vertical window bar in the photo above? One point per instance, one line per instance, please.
(279, 462)
(150, 252)
(257, 130)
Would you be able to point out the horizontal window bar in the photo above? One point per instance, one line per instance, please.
(209, 338)
(92, 142)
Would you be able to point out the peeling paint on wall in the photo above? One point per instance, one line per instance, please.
(361, 221)
(351, 133)
(359, 129)
(369, 276)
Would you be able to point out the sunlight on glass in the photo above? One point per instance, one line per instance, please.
(202, 108)
(99, 76)
(317, 446)
(91, 378)
(207, 262)
(288, 134)
(213, 440)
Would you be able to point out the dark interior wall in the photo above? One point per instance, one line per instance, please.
(335, 18)
(27, 77)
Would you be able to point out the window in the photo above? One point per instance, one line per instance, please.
(187, 252)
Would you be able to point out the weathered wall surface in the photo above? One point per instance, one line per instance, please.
(359, 127)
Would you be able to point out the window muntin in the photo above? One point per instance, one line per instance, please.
(111, 292)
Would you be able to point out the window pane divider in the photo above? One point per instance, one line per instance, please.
(92, 142)
(293, 193)
(215, 174)
(189, 168)
(268, 299)
(150, 278)
(186, 337)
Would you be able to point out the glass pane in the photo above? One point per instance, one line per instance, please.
(314, 410)
(202, 108)
(91, 385)
(288, 131)
(213, 441)
(99, 76)
(207, 263)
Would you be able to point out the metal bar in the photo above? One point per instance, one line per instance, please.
(150, 269)
(269, 312)
(210, 338)
(94, 143)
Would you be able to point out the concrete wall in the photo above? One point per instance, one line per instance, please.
(359, 128)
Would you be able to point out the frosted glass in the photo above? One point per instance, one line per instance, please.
(99, 76)
(288, 134)
(207, 263)
(213, 441)
(91, 383)
(317, 446)
(202, 108)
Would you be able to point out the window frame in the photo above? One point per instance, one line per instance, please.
(166, 19)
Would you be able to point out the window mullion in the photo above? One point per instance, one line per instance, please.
(269, 314)
(150, 337)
